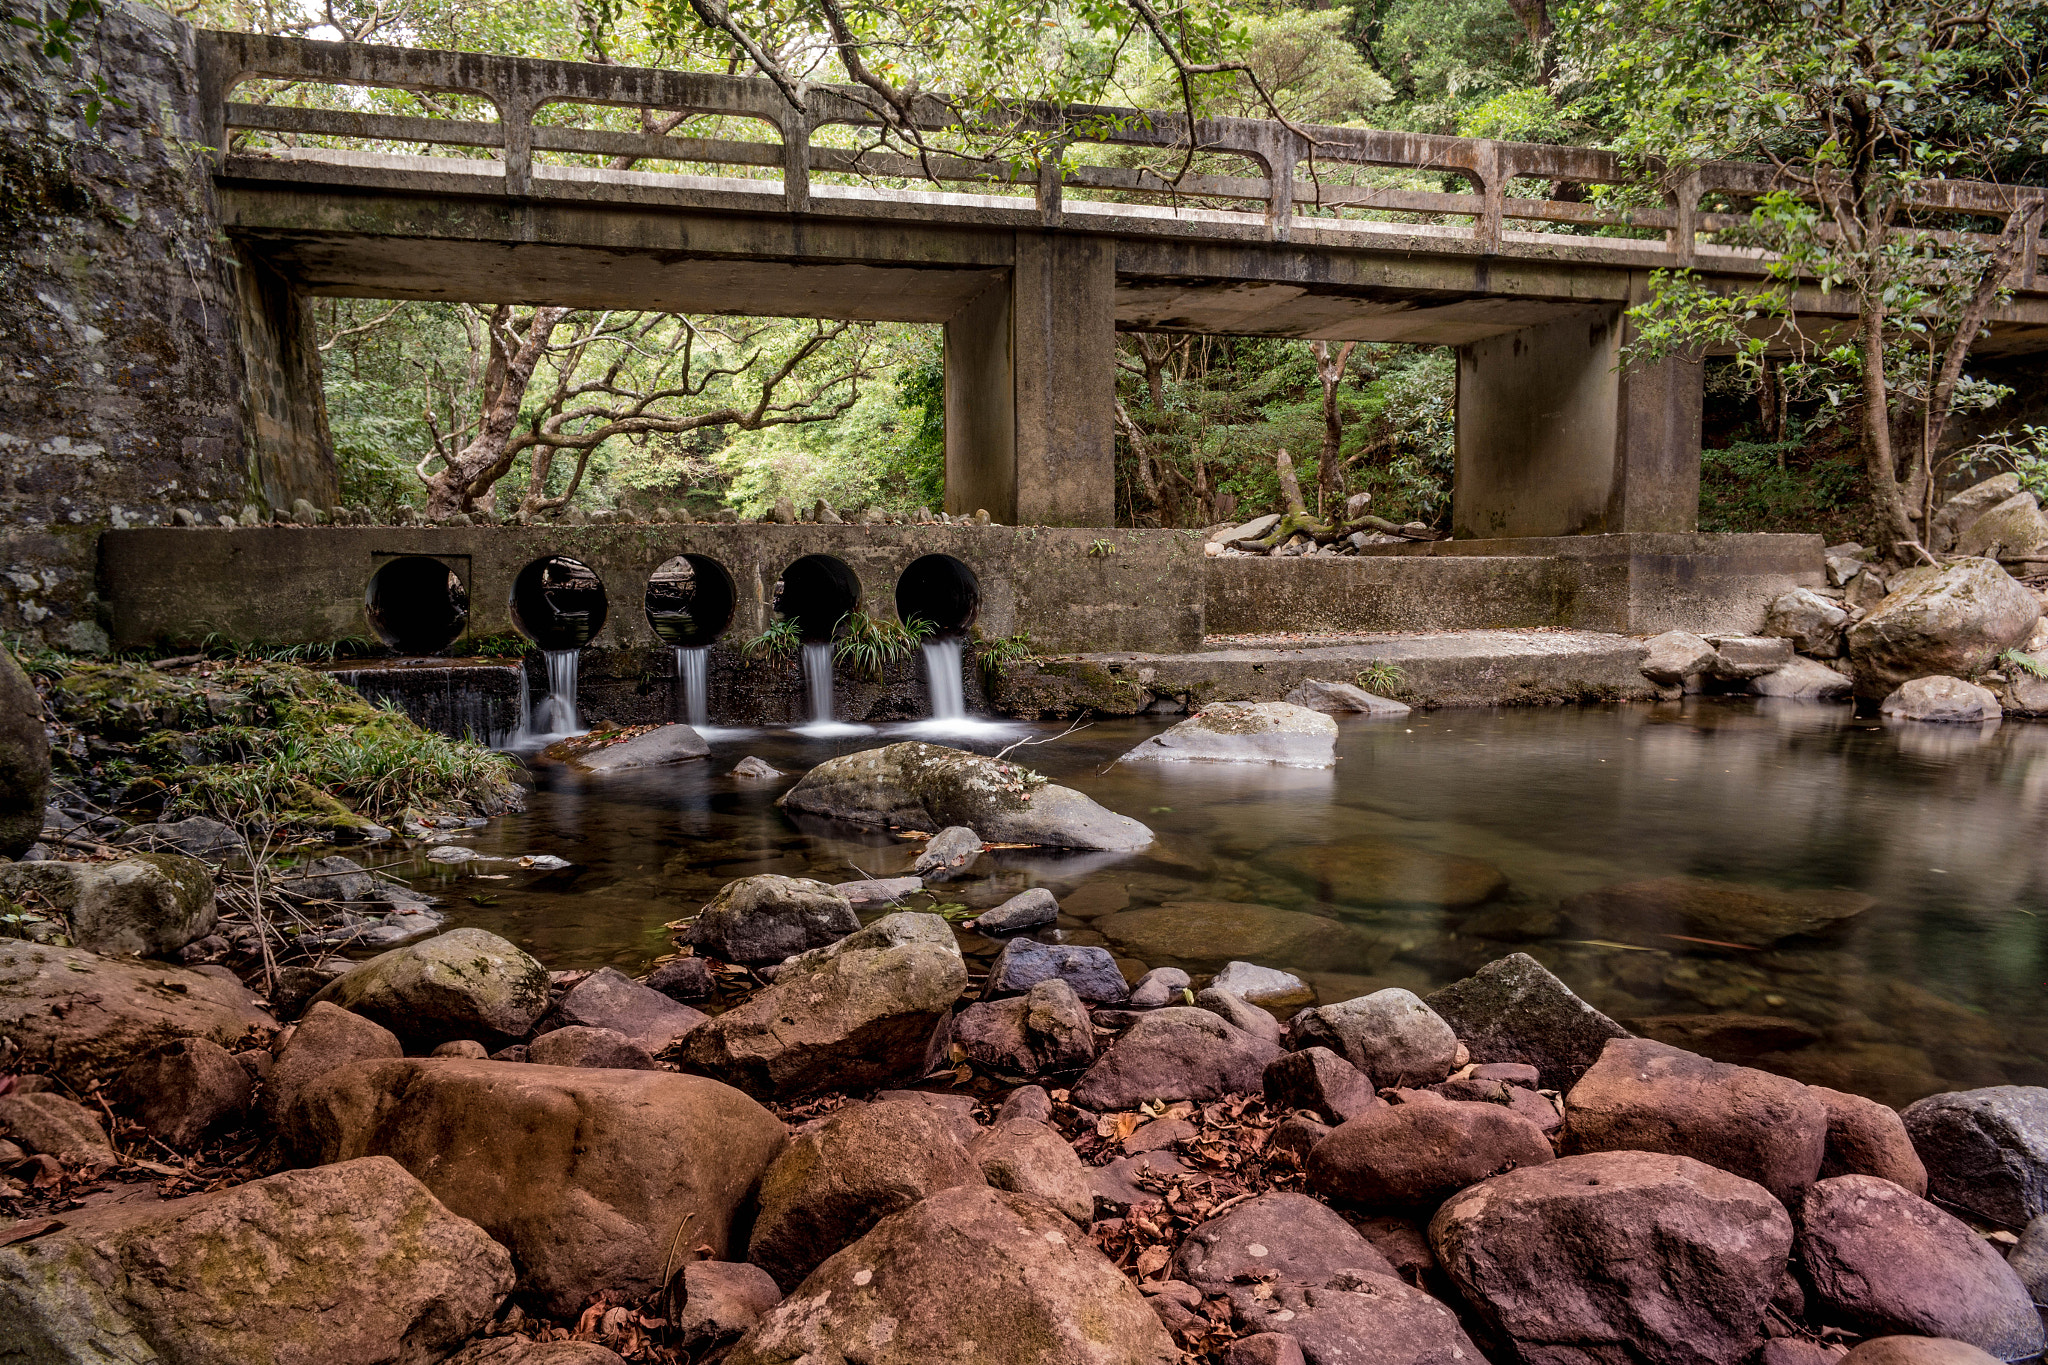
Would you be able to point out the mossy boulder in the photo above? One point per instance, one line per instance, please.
(1952, 622)
(467, 983)
(24, 760)
(148, 904)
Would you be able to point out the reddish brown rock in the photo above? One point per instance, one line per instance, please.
(1650, 1097)
(185, 1090)
(1417, 1155)
(1177, 1053)
(1290, 1236)
(1363, 1319)
(1868, 1138)
(1917, 1351)
(609, 999)
(1884, 1261)
(325, 1040)
(1045, 1030)
(1026, 1157)
(1265, 1348)
(1617, 1258)
(587, 1046)
(1318, 1080)
(720, 1301)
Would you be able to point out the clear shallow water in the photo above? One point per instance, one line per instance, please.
(1438, 843)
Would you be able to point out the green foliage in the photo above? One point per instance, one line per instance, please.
(218, 646)
(1382, 679)
(993, 653)
(2026, 663)
(867, 645)
(778, 645)
(1101, 549)
(1778, 486)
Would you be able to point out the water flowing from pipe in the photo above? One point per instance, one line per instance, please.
(556, 717)
(693, 666)
(942, 673)
(818, 692)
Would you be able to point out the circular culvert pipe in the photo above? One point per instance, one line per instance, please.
(939, 589)
(417, 604)
(816, 592)
(690, 601)
(558, 602)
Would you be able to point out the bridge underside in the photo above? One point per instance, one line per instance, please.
(1553, 437)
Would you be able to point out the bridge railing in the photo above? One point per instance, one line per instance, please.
(1293, 160)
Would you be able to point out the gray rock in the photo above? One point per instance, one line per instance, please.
(1513, 1010)
(1319, 1081)
(185, 1090)
(1341, 698)
(1046, 1030)
(1026, 910)
(928, 787)
(349, 1264)
(2029, 1259)
(2012, 529)
(1804, 679)
(1160, 986)
(335, 880)
(720, 1301)
(1675, 656)
(879, 890)
(304, 513)
(1175, 1053)
(1251, 530)
(763, 919)
(1942, 700)
(1950, 622)
(684, 978)
(466, 983)
(1241, 1013)
(1986, 1150)
(1245, 732)
(655, 748)
(753, 767)
(952, 850)
(857, 1012)
(1292, 1237)
(608, 999)
(148, 904)
(1960, 512)
(1738, 658)
(1811, 622)
(1262, 985)
(587, 1046)
(195, 837)
(1390, 1035)
(1842, 570)
(1024, 962)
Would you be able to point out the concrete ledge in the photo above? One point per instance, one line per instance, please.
(1460, 668)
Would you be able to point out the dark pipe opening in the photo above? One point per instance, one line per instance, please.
(690, 600)
(417, 605)
(940, 589)
(816, 592)
(558, 603)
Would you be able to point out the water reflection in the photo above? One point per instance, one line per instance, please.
(1441, 842)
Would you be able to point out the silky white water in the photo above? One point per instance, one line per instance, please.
(693, 666)
(556, 717)
(818, 694)
(948, 687)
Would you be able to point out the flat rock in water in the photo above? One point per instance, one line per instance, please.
(1245, 732)
(1262, 985)
(1618, 1256)
(1883, 1261)
(929, 786)
(1341, 698)
(137, 1006)
(1942, 700)
(1514, 1010)
(970, 1276)
(466, 983)
(1699, 907)
(649, 749)
(753, 767)
(1372, 874)
(1198, 933)
(348, 1264)
(1986, 1150)
(1026, 910)
(1804, 679)
(878, 890)
(608, 1163)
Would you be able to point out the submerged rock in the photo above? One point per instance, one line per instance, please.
(928, 787)
(583, 1174)
(971, 1276)
(1245, 732)
(1200, 932)
(1951, 622)
(1670, 907)
(467, 983)
(763, 919)
(1359, 872)
(148, 904)
(350, 1264)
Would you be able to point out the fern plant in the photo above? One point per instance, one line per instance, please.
(776, 646)
(993, 653)
(1384, 680)
(2026, 663)
(868, 644)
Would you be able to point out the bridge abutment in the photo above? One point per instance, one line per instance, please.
(1557, 438)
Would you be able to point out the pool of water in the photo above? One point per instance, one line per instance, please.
(1438, 843)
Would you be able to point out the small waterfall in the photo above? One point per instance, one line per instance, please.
(942, 673)
(818, 682)
(561, 714)
(693, 666)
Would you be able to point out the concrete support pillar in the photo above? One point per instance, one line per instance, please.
(1555, 440)
(284, 407)
(1031, 389)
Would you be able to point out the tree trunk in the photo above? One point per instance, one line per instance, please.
(468, 481)
(1879, 463)
(1330, 473)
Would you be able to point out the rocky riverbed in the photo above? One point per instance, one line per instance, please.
(814, 1132)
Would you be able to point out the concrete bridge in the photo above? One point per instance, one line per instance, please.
(1032, 273)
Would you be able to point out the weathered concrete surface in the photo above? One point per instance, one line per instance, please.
(1627, 584)
(174, 585)
(122, 397)
(1461, 668)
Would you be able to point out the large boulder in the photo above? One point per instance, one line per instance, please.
(1701, 907)
(1951, 621)
(1804, 679)
(349, 1264)
(588, 1176)
(1881, 1260)
(1648, 1096)
(842, 1175)
(858, 1012)
(1813, 623)
(1416, 1155)
(1390, 1035)
(148, 904)
(1176, 1053)
(970, 1276)
(467, 983)
(1960, 512)
(662, 745)
(2012, 529)
(24, 760)
(1617, 1257)
(1514, 1010)
(1943, 701)
(758, 920)
(1046, 1030)
(609, 999)
(1245, 732)
(77, 1013)
(1986, 1150)
(928, 787)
